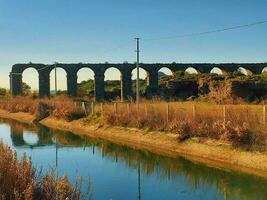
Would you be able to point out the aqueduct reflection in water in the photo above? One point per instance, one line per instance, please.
(232, 185)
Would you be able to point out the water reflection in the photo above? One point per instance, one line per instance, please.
(194, 177)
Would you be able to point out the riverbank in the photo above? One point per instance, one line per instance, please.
(210, 152)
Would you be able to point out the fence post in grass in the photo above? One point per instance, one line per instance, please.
(146, 110)
(167, 113)
(137, 107)
(247, 112)
(128, 108)
(101, 109)
(84, 108)
(224, 113)
(194, 111)
(115, 107)
(92, 108)
(264, 115)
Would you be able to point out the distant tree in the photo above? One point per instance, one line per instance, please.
(3, 91)
(26, 89)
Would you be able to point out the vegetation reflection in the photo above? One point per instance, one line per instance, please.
(231, 185)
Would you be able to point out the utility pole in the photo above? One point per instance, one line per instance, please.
(11, 85)
(55, 65)
(56, 165)
(137, 68)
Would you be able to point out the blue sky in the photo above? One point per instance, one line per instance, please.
(46, 31)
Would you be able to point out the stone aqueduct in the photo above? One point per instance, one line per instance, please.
(126, 75)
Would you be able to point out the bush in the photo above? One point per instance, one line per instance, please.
(19, 181)
(60, 107)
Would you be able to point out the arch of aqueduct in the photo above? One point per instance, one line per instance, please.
(126, 74)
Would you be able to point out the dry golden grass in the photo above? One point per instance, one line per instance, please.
(20, 104)
(19, 180)
(242, 125)
(61, 107)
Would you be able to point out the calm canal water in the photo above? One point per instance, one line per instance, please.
(118, 172)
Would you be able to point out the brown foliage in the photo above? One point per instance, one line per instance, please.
(18, 180)
(61, 107)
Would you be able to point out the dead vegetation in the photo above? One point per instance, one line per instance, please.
(20, 181)
(61, 107)
(240, 125)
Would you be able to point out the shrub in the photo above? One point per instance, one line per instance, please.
(61, 107)
(18, 180)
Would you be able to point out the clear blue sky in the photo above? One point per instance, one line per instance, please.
(46, 31)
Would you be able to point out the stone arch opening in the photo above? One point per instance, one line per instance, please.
(30, 138)
(112, 86)
(264, 70)
(163, 75)
(192, 70)
(216, 70)
(164, 72)
(86, 83)
(30, 81)
(60, 84)
(244, 71)
(143, 81)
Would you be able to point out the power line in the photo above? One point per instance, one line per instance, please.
(207, 32)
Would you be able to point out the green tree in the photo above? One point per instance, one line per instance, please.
(3, 91)
(26, 89)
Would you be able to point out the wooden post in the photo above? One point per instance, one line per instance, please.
(128, 108)
(194, 111)
(84, 108)
(115, 107)
(224, 113)
(101, 109)
(146, 110)
(92, 108)
(167, 113)
(137, 107)
(264, 115)
(247, 112)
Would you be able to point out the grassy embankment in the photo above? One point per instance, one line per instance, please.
(240, 125)
(19, 180)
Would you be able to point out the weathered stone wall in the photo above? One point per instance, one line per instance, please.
(233, 90)
(249, 90)
(220, 89)
(181, 89)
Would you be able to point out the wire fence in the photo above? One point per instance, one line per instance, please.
(178, 111)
